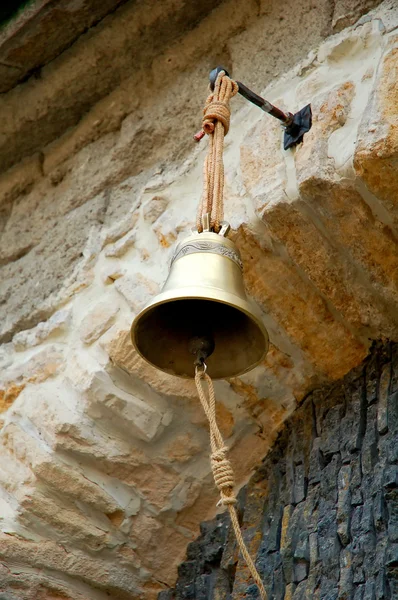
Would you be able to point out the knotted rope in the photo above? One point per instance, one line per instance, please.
(222, 470)
(216, 124)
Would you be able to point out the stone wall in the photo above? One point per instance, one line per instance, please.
(321, 512)
(104, 461)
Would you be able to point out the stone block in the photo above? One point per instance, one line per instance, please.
(300, 483)
(346, 587)
(123, 410)
(98, 320)
(359, 576)
(275, 282)
(313, 550)
(154, 207)
(379, 511)
(369, 451)
(136, 290)
(353, 425)
(387, 12)
(183, 448)
(390, 479)
(272, 533)
(359, 592)
(328, 484)
(328, 542)
(369, 591)
(346, 12)
(74, 484)
(58, 322)
(392, 412)
(69, 526)
(381, 589)
(61, 269)
(376, 152)
(316, 461)
(331, 431)
(355, 484)
(73, 562)
(122, 246)
(41, 365)
(262, 163)
(384, 383)
(344, 505)
(122, 354)
(330, 110)
(366, 241)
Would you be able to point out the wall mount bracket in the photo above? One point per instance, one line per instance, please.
(296, 125)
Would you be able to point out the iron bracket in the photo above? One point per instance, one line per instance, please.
(296, 125)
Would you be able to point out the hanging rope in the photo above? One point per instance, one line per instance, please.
(222, 469)
(216, 124)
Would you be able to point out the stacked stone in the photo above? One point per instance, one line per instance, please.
(104, 470)
(321, 513)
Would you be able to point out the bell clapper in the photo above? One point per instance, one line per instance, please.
(201, 347)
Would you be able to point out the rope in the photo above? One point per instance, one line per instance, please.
(222, 470)
(216, 124)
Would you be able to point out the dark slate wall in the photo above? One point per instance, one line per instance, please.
(321, 512)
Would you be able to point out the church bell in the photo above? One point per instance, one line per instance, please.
(202, 314)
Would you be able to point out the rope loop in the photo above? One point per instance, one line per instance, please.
(223, 475)
(222, 470)
(216, 111)
(216, 121)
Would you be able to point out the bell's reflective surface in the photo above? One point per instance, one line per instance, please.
(204, 295)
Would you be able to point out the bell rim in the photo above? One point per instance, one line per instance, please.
(189, 293)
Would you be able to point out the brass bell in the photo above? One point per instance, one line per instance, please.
(203, 305)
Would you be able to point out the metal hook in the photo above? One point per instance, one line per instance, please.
(295, 125)
(202, 365)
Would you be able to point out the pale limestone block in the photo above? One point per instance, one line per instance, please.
(52, 407)
(112, 271)
(183, 448)
(387, 12)
(136, 289)
(120, 247)
(155, 207)
(57, 323)
(122, 354)
(98, 320)
(39, 511)
(155, 540)
(122, 227)
(376, 154)
(73, 562)
(52, 272)
(74, 484)
(352, 227)
(262, 162)
(346, 12)
(44, 363)
(105, 400)
(6, 355)
(330, 112)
